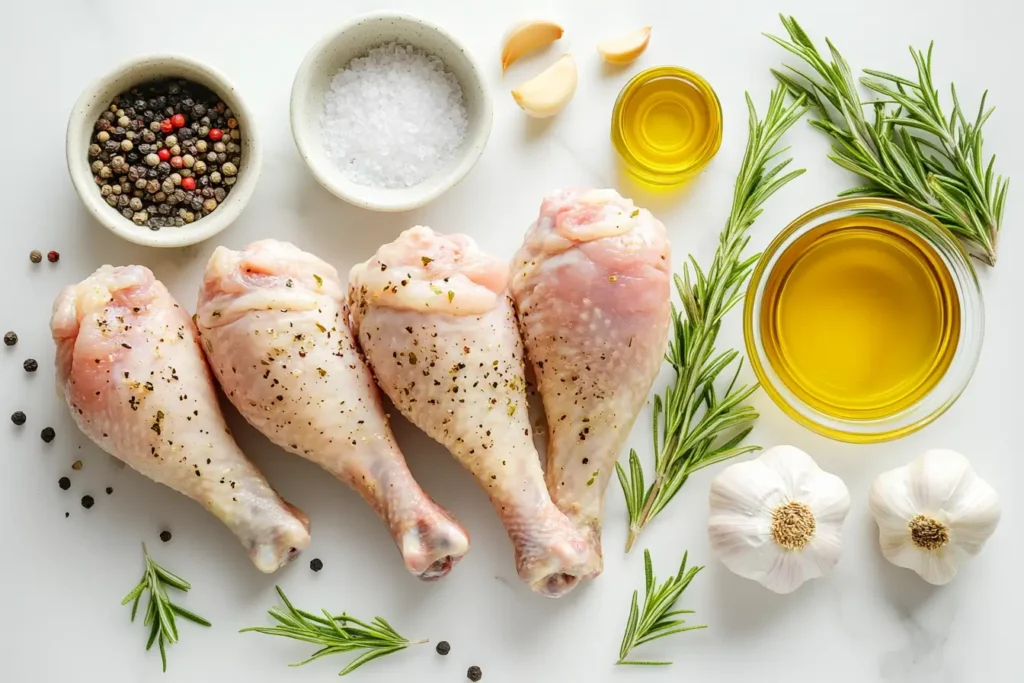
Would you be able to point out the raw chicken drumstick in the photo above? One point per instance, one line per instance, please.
(274, 324)
(130, 369)
(591, 286)
(433, 318)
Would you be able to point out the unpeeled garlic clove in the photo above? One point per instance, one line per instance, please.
(548, 92)
(625, 48)
(526, 37)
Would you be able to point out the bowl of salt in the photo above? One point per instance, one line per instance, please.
(389, 111)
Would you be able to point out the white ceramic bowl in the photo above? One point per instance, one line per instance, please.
(354, 39)
(97, 98)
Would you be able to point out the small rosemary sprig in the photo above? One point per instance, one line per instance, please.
(161, 612)
(694, 426)
(335, 634)
(657, 619)
(911, 150)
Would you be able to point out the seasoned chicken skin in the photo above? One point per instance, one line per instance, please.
(434, 320)
(274, 325)
(591, 287)
(131, 371)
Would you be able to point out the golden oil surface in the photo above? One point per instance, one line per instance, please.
(667, 123)
(860, 318)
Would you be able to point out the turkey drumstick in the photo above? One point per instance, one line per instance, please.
(433, 318)
(274, 324)
(130, 369)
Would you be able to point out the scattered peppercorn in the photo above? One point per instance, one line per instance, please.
(474, 673)
(52, 256)
(30, 365)
(18, 418)
(443, 647)
(165, 536)
(77, 465)
(35, 256)
(315, 564)
(88, 502)
(10, 339)
(110, 489)
(64, 483)
(48, 434)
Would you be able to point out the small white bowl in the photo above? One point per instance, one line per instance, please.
(354, 39)
(95, 100)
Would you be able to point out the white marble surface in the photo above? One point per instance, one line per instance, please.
(63, 578)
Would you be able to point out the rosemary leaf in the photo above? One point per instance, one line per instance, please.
(657, 618)
(912, 150)
(694, 426)
(334, 634)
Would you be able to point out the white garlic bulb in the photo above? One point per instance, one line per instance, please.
(778, 519)
(933, 513)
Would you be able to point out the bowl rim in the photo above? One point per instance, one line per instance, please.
(76, 146)
(336, 184)
(972, 320)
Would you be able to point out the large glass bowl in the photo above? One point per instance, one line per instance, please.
(942, 395)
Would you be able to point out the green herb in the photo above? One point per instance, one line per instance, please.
(694, 426)
(335, 634)
(319, 280)
(426, 260)
(911, 151)
(657, 619)
(161, 613)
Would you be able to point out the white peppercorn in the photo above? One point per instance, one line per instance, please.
(200, 145)
(189, 216)
(123, 121)
(135, 203)
(126, 145)
(152, 159)
(215, 177)
(219, 147)
(103, 136)
(175, 178)
(94, 150)
(106, 191)
(96, 166)
(112, 200)
(171, 140)
(175, 151)
(236, 134)
(200, 166)
(116, 189)
(167, 185)
(211, 157)
(188, 160)
(209, 205)
(229, 169)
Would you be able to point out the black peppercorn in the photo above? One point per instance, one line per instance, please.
(30, 365)
(88, 502)
(110, 489)
(48, 434)
(315, 564)
(10, 339)
(18, 417)
(443, 647)
(64, 483)
(165, 536)
(474, 673)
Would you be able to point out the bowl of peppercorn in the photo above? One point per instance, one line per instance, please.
(163, 151)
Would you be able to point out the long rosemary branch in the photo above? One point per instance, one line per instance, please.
(911, 150)
(694, 426)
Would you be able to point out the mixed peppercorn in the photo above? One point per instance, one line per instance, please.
(166, 153)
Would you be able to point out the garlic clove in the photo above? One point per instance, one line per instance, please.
(625, 48)
(526, 37)
(889, 501)
(748, 488)
(936, 476)
(548, 92)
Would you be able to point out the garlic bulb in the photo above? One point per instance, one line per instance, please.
(778, 519)
(933, 513)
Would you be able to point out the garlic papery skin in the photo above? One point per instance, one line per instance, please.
(778, 519)
(933, 513)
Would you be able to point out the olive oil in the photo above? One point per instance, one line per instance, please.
(667, 125)
(860, 318)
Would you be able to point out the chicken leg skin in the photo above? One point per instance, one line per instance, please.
(433, 318)
(131, 371)
(274, 325)
(591, 287)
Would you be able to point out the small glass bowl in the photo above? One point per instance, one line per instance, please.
(936, 401)
(680, 173)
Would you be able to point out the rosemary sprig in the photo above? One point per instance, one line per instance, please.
(694, 426)
(911, 150)
(657, 619)
(161, 613)
(335, 634)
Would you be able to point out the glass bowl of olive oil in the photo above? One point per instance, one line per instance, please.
(666, 125)
(863, 320)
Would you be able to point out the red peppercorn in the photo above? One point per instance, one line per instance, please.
(164, 154)
(176, 162)
(53, 257)
(178, 121)
(188, 183)
(165, 126)
(216, 134)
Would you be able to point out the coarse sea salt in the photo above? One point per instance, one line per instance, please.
(394, 117)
